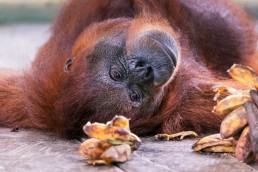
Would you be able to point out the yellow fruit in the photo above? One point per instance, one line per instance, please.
(180, 135)
(243, 149)
(252, 112)
(93, 148)
(211, 141)
(106, 132)
(222, 88)
(245, 75)
(96, 162)
(220, 149)
(134, 138)
(109, 143)
(233, 123)
(230, 103)
(120, 121)
(120, 153)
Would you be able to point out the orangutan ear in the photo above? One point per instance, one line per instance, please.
(68, 64)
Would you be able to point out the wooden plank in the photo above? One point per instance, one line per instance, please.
(167, 156)
(28, 150)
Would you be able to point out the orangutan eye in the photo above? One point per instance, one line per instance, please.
(116, 75)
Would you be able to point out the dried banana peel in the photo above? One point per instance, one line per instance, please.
(244, 151)
(207, 143)
(120, 153)
(245, 75)
(252, 120)
(233, 123)
(105, 132)
(240, 110)
(110, 142)
(93, 148)
(230, 103)
(177, 136)
(121, 121)
(219, 89)
(220, 149)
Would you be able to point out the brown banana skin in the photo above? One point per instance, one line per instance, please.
(207, 143)
(252, 117)
(240, 108)
(230, 103)
(233, 123)
(245, 75)
(244, 151)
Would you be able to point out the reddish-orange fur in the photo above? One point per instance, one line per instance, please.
(211, 34)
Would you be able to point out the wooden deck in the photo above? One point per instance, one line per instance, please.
(30, 150)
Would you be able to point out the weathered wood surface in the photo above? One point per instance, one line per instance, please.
(29, 150)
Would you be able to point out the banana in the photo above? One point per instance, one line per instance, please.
(110, 142)
(220, 149)
(121, 121)
(179, 136)
(106, 132)
(244, 149)
(211, 141)
(230, 103)
(120, 153)
(233, 123)
(230, 90)
(252, 111)
(238, 108)
(96, 162)
(254, 96)
(245, 75)
(93, 148)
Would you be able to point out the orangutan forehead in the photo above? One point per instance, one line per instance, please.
(96, 33)
(145, 23)
(114, 30)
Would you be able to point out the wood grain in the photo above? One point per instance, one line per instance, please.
(30, 150)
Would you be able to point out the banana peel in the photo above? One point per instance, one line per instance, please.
(233, 123)
(244, 151)
(176, 136)
(240, 110)
(109, 143)
(105, 132)
(120, 153)
(230, 103)
(207, 143)
(121, 121)
(219, 89)
(93, 148)
(252, 111)
(220, 149)
(245, 75)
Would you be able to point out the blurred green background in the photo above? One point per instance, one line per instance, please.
(28, 11)
(43, 11)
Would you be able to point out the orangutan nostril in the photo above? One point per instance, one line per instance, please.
(144, 72)
(135, 96)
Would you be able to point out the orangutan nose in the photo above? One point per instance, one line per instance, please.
(153, 59)
(143, 72)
